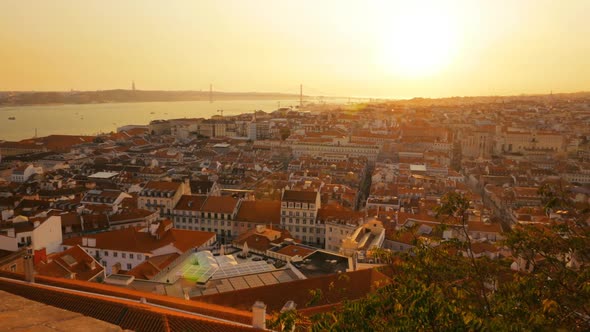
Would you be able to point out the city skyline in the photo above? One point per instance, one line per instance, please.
(377, 49)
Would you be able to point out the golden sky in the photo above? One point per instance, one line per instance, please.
(382, 48)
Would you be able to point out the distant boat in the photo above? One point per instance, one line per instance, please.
(152, 112)
(11, 118)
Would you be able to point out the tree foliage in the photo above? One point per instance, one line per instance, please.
(439, 289)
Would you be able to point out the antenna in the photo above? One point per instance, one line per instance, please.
(220, 111)
(210, 93)
(133, 85)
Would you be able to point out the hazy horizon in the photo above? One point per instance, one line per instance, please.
(377, 49)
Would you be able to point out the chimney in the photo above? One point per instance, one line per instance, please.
(259, 315)
(29, 268)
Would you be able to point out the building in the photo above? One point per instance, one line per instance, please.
(126, 248)
(38, 234)
(74, 263)
(24, 172)
(108, 197)
(299, 210)
(162, 196)
(366, 237)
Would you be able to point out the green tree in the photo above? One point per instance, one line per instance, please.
(439, 289)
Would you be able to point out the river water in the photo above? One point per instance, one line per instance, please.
(91, 119)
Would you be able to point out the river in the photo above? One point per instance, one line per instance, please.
(91, 119)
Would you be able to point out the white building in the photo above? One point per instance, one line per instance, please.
(23, 173)
(162, 196)
(36, 234)
(126, 248)
(299, 210)
(366, 237)
(109, 197)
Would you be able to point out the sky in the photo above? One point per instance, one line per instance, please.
(386, 48)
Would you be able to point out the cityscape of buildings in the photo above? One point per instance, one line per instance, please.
(216, 224)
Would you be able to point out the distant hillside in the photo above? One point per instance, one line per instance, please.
(126, 96)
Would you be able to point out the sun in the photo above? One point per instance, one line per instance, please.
(417, 41)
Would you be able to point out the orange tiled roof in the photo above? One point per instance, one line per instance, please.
(162, 185)
(84, 266)
(148, 269)
(478, 226)
(299, 196)
(293, 250)
(262, 241)
(220, 204)
(357, 285)
(190, 202)
(127, 314)
(262, 212)
(129, 239)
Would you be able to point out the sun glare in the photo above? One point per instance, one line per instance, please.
(417, 42)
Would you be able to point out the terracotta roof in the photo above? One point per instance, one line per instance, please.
(335, 211)
(72, 261)
(335, 288)
(220, 204)
(129, 239)
(148, 269)
(300, 196)
(130, 214)
(127, 314)
(262, 241)
(262, 212)
(162, 185)
(294, 250)
(70, 219)
(190, 202)
(480, 247)
(478, 226)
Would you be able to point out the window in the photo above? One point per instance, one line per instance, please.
(139, 257)
(115, 254)
(106, 253)
(124, 255)
(131, 256)
(129, 267)
(104, 263)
